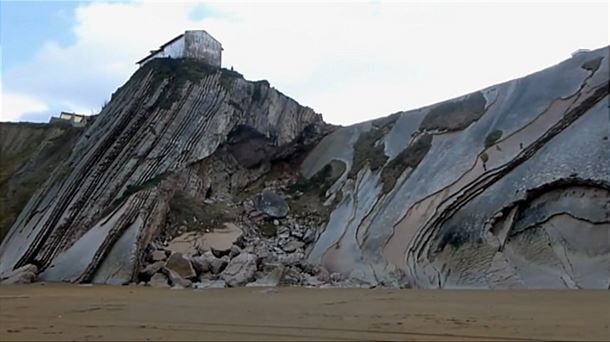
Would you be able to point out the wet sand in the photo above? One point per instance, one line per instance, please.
(66, 312)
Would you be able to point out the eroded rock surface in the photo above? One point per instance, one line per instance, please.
(507, 187)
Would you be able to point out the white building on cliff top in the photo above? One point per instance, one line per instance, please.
(191, 44)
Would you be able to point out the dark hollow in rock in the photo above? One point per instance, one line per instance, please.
(250, 147)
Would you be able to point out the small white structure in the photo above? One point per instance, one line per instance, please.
(76, 120)
(191, 44)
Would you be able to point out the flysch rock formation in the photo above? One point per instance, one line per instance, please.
(506, 187)
(192, 176)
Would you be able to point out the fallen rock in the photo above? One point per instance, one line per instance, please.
(309, 236)
(158, 280)
(210, 263)
(235, 251)
(23, 275)
(271, 204)
(312, 281)
(271, 279)
(175, 278)
(321, 273)
(292, 245)
(292, 258)
(210, 284)
(181, 265)
(158, 256)
(292, 276)
(200, 264)
(240, 270)
(151, 269)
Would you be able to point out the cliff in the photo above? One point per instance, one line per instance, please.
(194, 176)
(504, 187)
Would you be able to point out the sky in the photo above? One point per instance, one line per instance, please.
(350, 61)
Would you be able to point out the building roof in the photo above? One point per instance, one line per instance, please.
(153, 52)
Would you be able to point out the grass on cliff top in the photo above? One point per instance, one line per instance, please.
(178, 72)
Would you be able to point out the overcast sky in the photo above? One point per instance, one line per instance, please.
(350, 61)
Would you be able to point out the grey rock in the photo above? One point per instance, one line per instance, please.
(240, 270)
(235, 250)
(151, 269)
(210, 284)
(22, 275)
(310, 235)
(181, 265)
(217, 265)
(271, 279)
(292, 258)
(175, 279)
(312, 281)
(336, 277)
(158, 255)
(159, 280)
(271, 204)
(200, 264)
(292, 245)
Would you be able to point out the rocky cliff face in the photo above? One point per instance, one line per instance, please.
(94, 221)
(504, 187)
(193, 176)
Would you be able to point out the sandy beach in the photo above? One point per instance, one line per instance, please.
(69, 312)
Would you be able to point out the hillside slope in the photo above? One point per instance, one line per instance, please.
(28, 154)
(193, 176)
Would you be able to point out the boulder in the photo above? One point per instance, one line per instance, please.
(309, 236)
(208, 262)
(210, 284)
(181, 265)
(271, 204)
(158, 280)
(175, 279)
(235, 251)
(292, 277)
(200, 264)
(240, 270)
(271, 279)
(23, 275)
(292, 258)
(151, 269)
(312, 281)
(158, 255)
(321, 273)
(292, 245)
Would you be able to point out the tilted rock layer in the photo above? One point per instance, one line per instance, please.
(506, 187)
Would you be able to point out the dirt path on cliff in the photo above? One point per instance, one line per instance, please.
(67, 312)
